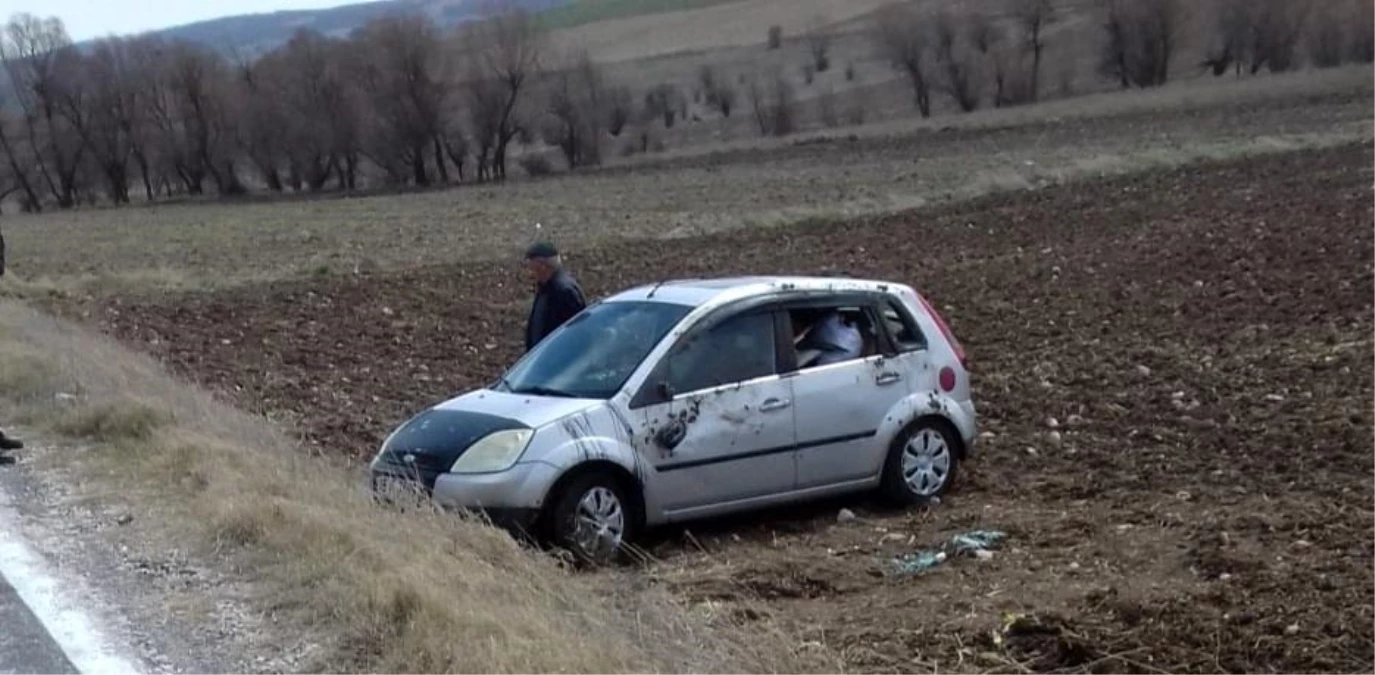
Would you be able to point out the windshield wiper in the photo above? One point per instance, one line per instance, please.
(544, 391)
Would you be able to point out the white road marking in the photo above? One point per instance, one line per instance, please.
(68, 626)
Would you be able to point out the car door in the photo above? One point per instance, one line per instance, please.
(840, 406)
(718, 425)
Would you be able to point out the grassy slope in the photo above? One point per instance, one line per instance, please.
(384, 591)
(581, 12)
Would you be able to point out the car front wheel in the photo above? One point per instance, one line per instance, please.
(592, 518)
(921, 463)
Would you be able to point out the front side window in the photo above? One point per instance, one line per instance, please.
(593, 354)
(740, 348)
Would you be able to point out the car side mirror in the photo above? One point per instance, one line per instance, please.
(665, 390)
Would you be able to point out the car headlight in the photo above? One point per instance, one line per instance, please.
(496, 452)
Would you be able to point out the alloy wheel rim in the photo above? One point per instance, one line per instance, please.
(926, 462)
(599, 522)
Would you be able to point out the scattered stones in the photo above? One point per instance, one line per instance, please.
(845, 516)
(1291, 630)
(1144, 371)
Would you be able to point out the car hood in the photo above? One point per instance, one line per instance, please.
(429, 443)
(532, 411)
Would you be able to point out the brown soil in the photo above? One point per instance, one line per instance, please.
(1203, 337)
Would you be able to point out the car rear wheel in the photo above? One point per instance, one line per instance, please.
(922, 463)
(592, 518)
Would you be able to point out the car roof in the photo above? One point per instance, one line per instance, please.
(716, 291)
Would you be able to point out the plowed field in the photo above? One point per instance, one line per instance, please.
(1201, 337)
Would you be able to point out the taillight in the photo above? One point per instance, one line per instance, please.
(945, 330)
(947, 379)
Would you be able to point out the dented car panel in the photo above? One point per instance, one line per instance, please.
(774, 431)
(735, 444)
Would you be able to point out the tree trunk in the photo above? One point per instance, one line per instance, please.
(418, 165)
(19, 175)
(143, 170)
(439, 161)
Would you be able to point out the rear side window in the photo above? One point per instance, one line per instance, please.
(740, 348)
(907, 337)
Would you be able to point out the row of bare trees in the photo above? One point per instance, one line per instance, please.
(399, 102)
(403, 102)
(974, 58)
(967, 55)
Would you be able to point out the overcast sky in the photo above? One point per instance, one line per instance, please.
(87, 19)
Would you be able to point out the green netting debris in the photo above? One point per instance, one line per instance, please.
(973, 543)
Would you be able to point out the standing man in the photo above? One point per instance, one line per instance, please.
(558, 297)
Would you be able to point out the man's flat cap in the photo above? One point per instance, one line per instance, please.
(541, 249)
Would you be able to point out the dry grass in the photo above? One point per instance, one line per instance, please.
(727, 24)
(390, 592)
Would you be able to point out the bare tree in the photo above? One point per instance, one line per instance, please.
(114, 123)
(818, 38)
(663, 101)
(1265, 34)
(1232, 27)
(402, 71)
(717, 90)
(1003, 57)
(959, 62)
(308, 83)
(1033, 16)
(261, 128)
(507, 48)
(199, 87)
(38, 59)
(773, 102)
(1361, 46)
(775, 37)
(1140, 40)
(1276, 28)
(576, 98)
(906, 43)
(1326, 38)
(619, 109)
(17, 162)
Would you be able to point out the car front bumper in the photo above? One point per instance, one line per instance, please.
(513, 497)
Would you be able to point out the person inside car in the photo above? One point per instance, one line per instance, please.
(558, 297)
(836, 339)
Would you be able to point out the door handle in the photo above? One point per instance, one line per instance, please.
(774, 404)
(888, 378)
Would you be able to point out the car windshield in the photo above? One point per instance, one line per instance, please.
(593, 354)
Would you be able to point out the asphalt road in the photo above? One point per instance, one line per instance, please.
(25, 646)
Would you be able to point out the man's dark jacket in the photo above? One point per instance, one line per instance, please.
(556, 301)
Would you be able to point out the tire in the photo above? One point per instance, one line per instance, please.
(922, 463)
(598, 501)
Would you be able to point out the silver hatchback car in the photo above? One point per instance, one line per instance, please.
(692, 398)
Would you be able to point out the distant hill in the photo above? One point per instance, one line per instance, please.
(254, 33)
